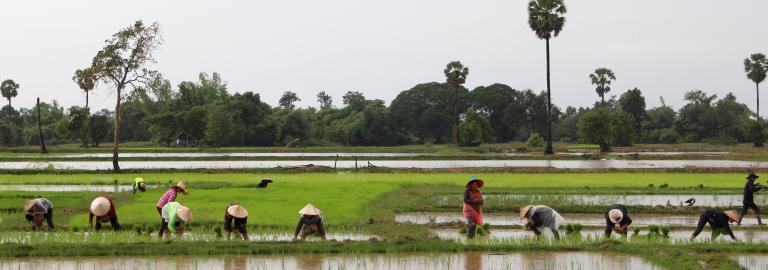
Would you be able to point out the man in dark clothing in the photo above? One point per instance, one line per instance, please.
(237, 214)
(617, 219)
(718, 221)
(749, 198)
(311, 222)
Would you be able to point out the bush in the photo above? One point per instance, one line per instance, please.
(475, 129)
(535, 141)
(606, 128)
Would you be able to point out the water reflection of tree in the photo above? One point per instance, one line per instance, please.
(235, 263)
(473, 261)
(309, 262)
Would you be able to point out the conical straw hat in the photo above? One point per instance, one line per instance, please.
(615, 215)
(182, 186)
(237, 211)
(310, 210)
(732, 215)
(28, 205)
(184, 214)
(100, 206)
(524, 211)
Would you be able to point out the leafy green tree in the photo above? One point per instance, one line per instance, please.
(75, 125)
(288, 99)
(756, 67)
(85, 81)
(455, 75)
(706, 119)
(475, 129)
(326, 102)
(124, 63)
(253, 117)
(499, 101)
(545, 17)
(602, 80)
(9, 89)
(605, 128)
(354, 100)
(426, 112)
(9, 133)
(633, 103)
(100, 125)
(220, 126)
(658, 125)
(163, 127)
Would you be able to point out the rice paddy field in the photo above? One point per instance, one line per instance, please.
(390, 220)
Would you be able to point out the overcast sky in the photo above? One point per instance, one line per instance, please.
(383, 47)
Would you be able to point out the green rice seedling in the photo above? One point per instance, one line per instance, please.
(653, 230)
(665, 185)
(665, 231)
(218, 230)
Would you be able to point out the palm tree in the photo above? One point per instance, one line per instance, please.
(756, 67)
(455, 75)
(9, 89)
(546, 19)
(85, 80)
(602, 79)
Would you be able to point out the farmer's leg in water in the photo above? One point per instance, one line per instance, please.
(703, 219)
(241, 227)
(757, 213)
(49, 218)
(115, 225)
(471, 227)
(554, 232)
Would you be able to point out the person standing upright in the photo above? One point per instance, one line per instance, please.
(749, 198)
(473, 205)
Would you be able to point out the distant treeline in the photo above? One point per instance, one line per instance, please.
(210, 115)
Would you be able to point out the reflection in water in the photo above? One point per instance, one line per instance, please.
(235, 263)
(310, 262)
(755, 236)
(473, 261)
(586, 219)
(753, 262)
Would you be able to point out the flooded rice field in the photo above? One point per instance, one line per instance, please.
(108, 236)
(674, 234)
(418, 164)
(204, 155)
(603, 199)
(428, 261)
(66, 188)
(753, 262)
(593, 219)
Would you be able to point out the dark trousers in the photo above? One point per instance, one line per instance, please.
(754, 207)
(48, 218)
(163, 224)
(112, 220)
(471, 227)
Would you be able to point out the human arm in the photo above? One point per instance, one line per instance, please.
(90, 219)
(321, 228)
(608, 227)
(298, 228)
(467, 197)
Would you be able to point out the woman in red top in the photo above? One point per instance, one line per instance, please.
(104, 210)
(473, 205)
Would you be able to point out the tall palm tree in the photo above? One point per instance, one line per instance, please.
(756, 67)
(9, 89)
(455, 75)
(602, 79)
(546, 19)
(86, 81)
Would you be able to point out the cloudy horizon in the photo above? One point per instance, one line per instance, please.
(268, 47)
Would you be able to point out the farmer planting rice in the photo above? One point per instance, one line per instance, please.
(236, 213)
(749, 198)
(170, 196)
(310, 222)
(473, 205)
(174, 216)
(617, 220)
(718, 221)
(104, 210)
(38, 210)
(139, 184)
(538, 217)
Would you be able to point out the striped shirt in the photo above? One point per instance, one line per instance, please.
(169, 196)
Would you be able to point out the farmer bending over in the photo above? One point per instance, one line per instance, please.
(617, 220)
(170, 196)
(38, 210)
(473, 205)
(718, 221)
(311, 222)
(539, 217)
(236, 213)
(138, 184)
(749, 198)
(104, 211)
(174, 216)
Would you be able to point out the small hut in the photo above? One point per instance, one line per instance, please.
(184, 139)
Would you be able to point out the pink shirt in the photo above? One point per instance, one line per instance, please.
(169, 196)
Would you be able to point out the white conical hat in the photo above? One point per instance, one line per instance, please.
(184, 214)
(237, 211)
(615, 215)
(310, 210)
(100, 206)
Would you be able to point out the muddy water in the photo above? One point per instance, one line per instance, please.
(638, 200)
(675, 234)
(753, 262)
(107, 236)
(419, 164)
(511, 219)
(66, 188)
(201, 155)
(441, 261)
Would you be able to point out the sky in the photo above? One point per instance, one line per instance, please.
(381, 48)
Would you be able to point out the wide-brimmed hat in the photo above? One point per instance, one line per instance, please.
(615, 215)
(139, 179)
(752, 176)
(28, 205)
(732, 214)
(182, 186)
(524, 211)
(267, 179)
(184, 213)
(309, 210)
(237, 211)
(100, 206)
(473, 178)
